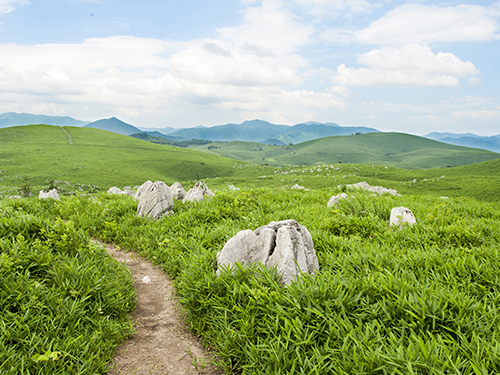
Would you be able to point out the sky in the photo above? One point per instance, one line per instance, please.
(406, 66)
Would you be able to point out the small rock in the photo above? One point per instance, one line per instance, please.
(401, 215)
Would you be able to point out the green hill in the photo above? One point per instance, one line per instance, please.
(36, 154)
(390, 149)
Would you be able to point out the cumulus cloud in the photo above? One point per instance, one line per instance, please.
(334, 8)
(7, 6)
(420, 23)
(409, 65)
(252, 68)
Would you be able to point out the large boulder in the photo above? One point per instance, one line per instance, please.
(178, 191)
(52, 194)
(142, 189)
(156, 201)
(400, 216)
(375, 189)
(286, 245)
(198, 192)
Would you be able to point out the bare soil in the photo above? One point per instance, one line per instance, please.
(162, 343)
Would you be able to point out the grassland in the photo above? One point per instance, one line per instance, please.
(388, 149)
(41, 153)
(421, 300)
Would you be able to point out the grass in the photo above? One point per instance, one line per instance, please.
(388, 149)
(63, 300)
(423, 300)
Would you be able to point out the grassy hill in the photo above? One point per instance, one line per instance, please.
(390, 149)
(36, 154)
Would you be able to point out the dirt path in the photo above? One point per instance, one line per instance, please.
(162, 343)
(69, 136)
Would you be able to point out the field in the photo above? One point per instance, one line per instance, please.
(387, 149)
(421, 300)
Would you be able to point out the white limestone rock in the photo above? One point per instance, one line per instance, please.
(336, 199)
(401, 216)
(114, 190)
(178, 191)
(286, 245)
(156, 201)
(375, 189)
(52, 194)
(142, 189)
(198, 192)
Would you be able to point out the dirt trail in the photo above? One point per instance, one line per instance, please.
(69, 136)
(162, 343)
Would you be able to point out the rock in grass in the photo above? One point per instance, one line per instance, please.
(178, 191)
(286, 245)
(336, 199)
(374, 189)
(53, 194)
(142, 189)
(114, 190)
(400, 216)
(156, 201)
(199, 192)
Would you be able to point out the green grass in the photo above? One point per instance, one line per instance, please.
(63, 300)
(38, 154)
(388, 149)
(423, 300)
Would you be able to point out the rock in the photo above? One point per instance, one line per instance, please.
(141, 189)
(114, 190)
(232, 187)
(336, 199)
(146, 279)
(127, 190)
(297, 186)
(53, 194)
(178, 191)
(286, 245)
(401, 215)
(375, 189)
(198, 192)
(156, 201)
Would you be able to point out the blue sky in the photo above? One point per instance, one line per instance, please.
(407, 66)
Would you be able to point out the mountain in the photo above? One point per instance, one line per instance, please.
(468, 140)
(251, 131)
(314, 130)
(114, 125)
(388, 149)
(268, 133)
(15, 119)
(166, 130)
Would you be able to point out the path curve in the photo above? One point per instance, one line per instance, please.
(69, 136)
(162, 343)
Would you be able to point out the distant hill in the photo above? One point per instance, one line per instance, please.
(268, 133)
(166, 130)
(469, 140)
(114, 125)
(390, 149)
(313, 130)
(16, 119)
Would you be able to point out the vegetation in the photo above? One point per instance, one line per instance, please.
(420, 300)
(165, 141)
(63, 300)
(388, 149)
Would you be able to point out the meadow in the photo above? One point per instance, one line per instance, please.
(420, 300)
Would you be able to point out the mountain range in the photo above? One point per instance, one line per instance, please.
(15, 119)
(468, 139)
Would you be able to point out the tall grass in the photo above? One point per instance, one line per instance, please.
(421, 300)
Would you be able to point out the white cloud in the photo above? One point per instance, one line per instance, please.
(409, 65)
(334, 8)
(7, 6)
(271, 26)
(420, 23)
